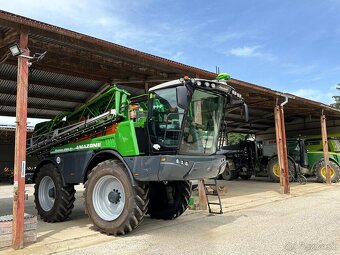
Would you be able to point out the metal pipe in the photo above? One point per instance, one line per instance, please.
(284, 102)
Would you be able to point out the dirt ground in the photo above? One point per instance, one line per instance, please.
(78, 232)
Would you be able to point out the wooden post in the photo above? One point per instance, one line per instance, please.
(203, 205)
(325, 148)
(279, 141)
(20, 147)
(281, 149)
(285, 169)
(146, 87)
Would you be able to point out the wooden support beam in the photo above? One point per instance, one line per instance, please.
(94, 50)
(203, 204)
(146, 87)
(20, 147)
(281, 149)
(81, 54)
(284, 177)
(325, 148)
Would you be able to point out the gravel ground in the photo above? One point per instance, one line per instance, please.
(308, 224)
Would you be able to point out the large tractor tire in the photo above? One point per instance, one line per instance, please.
(228, 174)
(168, 200)
(53, 200)
(320, 171)
(273, 169)
(112, 203)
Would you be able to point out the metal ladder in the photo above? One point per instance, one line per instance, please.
(43, 143)
(215, 193)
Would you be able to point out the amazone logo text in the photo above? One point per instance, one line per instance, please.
(88, 146)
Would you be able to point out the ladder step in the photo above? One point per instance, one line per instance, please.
(215, 212)
(214, 193)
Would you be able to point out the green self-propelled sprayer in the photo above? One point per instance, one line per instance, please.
(135, 155)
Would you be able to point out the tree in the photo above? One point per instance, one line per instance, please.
(337, 99)
(234, 138)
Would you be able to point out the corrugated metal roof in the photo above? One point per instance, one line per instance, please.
(42, 96)
(43, 76)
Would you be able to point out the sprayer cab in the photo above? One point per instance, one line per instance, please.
(185, 115)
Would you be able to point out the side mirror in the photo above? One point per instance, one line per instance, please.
(239, 103)
(182, 96)
(245, 112)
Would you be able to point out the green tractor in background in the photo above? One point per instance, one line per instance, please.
(259, 158)
(305, 156)
(316, 158)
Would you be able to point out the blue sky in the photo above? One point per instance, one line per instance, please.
(290, 46)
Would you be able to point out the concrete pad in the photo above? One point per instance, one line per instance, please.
(79, 232)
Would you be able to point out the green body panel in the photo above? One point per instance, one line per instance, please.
(123, 141)
(126, 139)
(315, 156)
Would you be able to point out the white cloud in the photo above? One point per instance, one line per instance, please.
(251, 51)
(245, 51)
(307, 93)
(177, 56)
(229, 36)
(298, 70)
(324, 96)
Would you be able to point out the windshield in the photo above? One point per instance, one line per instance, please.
(316, 145)
(294, 150)
(202, 124)
(166, 120)
(334, 145)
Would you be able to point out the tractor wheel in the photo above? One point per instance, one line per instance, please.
(273, 169)
(53, 200)
(320, 171)
(170, 200)
(228, 174)
(112, 203)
